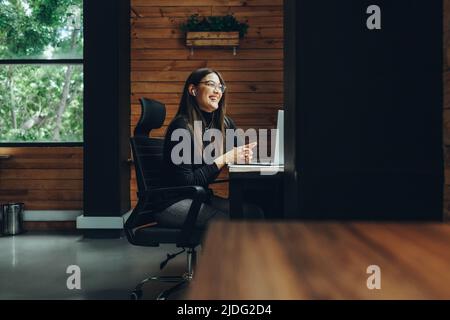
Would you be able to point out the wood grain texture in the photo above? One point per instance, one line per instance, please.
(251, 260)
(206, 3)
(161, 62)
(179, 44)
(43, 178)
(49, 226)
(175, 32)
(179, 11)
(174, 21)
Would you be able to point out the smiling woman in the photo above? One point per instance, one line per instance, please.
(203, 102)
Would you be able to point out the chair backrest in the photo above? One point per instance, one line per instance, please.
(148, 152)
(148, 160)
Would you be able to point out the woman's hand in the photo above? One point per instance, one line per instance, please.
(242, 154)
(239, 155)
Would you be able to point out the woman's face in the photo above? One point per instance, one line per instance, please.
(208, 92)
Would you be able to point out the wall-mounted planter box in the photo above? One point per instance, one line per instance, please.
(212, 39)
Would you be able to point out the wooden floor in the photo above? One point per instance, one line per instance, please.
(245, 260)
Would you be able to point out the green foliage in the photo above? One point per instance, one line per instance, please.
(29, 27)
(30, 95)
(215, 23)
(35, 96)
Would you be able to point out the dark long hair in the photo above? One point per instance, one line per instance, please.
(189, 108)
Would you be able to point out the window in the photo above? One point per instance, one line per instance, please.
(41, 71)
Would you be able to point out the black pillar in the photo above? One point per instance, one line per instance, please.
(364, 110)
(106, 110)
(291, 127)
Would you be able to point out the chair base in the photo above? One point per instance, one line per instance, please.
(181, 281)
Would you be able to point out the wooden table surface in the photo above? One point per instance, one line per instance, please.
(323, 260)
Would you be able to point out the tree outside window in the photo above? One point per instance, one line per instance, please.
(41, 71)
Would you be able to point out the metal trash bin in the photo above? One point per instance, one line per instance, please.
(12, 214)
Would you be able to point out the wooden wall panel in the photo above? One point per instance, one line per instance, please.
(44, 178)
(50, 225)
(161, 63)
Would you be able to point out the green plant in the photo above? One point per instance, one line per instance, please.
(215, 23)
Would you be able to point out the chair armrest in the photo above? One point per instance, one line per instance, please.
(172, 193)
(161, 199)
(196, 193)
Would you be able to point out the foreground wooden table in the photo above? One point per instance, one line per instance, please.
(267, 260)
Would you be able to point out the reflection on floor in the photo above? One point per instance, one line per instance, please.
(33, 266)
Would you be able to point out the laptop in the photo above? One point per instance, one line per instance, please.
(278, 159)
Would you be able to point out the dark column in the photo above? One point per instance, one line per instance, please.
(106, 115)
(365, 110)
(291, 127)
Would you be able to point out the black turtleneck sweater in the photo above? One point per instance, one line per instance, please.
(208, 116)
(189, 174)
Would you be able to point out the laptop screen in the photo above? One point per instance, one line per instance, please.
(279, 141)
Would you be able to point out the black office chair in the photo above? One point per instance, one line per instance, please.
(141, 229)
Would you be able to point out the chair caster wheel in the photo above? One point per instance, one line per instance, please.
(136, 295)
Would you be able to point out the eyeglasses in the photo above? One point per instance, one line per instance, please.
(213, 85)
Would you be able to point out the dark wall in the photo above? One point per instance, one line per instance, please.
(368, 110)
(106, 112)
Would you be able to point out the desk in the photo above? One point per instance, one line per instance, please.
(261, 185)
(313, 260)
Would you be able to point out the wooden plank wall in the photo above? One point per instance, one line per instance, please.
(161, 63)
(44, 178)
